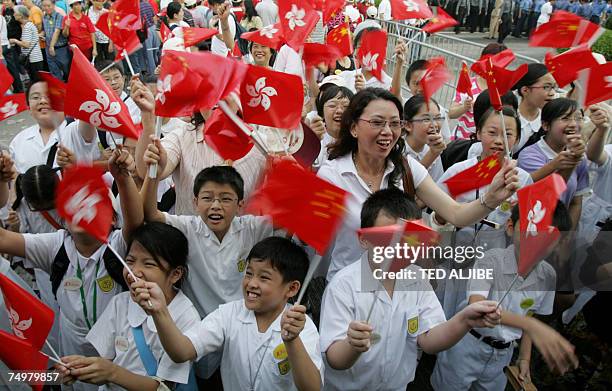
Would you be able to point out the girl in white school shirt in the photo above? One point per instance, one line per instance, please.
(124, 333)
(86, 287)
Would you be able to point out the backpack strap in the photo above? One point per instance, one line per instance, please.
(18, 192)
(58, 269)
(144, 351)
(102, 139)
(51, 155)
(114, 268)
(168, 200)
(407, 180)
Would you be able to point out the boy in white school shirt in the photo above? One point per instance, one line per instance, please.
(406, 316)
(486, 352)
(267, 345)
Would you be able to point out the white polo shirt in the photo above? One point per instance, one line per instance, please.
(536, 293)
(527, 129)
(216, 268)
(41, 250)
(342, 173)
(413, 310)
(435, 170)
(113, 338)
(232, 329)
(289, 61)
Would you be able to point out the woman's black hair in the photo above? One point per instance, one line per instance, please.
(173, 9)
(507, 111)
(493, 48)
(534, 72)
(414, 104)
(553, 110)
(331, 92)
(249, 10)
(347, 144)
(197, 120)
(38, 186)
(163, 242)
(483, 102)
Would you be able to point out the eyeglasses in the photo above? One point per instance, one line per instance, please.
(379, 124)
(225, 201)
(546, 87)
(579, 118)
(333, 106)
(427, 120)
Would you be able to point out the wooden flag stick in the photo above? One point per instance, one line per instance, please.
(311, 269)
(125, 265)
(153, 167)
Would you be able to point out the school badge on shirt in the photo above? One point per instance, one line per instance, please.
(106, 283)
(280, 352)
(241, 265)
(413, 325)
(284, 367)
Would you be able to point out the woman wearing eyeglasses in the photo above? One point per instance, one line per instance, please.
(536, 88)
(370, 155)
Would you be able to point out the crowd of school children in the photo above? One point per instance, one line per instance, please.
(213, 305)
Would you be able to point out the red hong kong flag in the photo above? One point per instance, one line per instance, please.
(436, 74)
(410, 9)
(372, 52)
(90, 99)
(19, 355)
(301, 202)
(194, 35)
(125, 14)
(82, 199)
(565, 30)
(464, 83)
(331, 8)
(565, 66)
(318, 53)
(475, 177)
(271, 98)
(439, 22)
(220, 76)
(123, 39)
(270, 36)
(596, 83)
(177, 87)
(537, 203)
(56, 90)
(297, 19)
(340, 37)
(5, 78)
(11, 105)
(31, 320)
(225, 137)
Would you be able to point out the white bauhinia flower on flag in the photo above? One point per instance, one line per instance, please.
(268, 31)
(103, 111)
(260, 94)
(609, 81)
(534, 217)
(19, 326)
(9, 109)
(163, 86)
(369, 61)
(411, 6)
(82, 205)
(295, 17)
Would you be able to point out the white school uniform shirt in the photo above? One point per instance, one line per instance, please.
(289, 61)
(349, 80)
(597, 207)
(390, 364)
(533, 294)
(342, 173)
(492, 237)
(435, 170)
(232, 329)
(113, 338)
(216, 269)
(323, 154)
(527, 129)
(41, 249)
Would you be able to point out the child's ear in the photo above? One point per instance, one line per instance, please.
(176, 274)
(293, 288)
(195, 202)
(240, 203)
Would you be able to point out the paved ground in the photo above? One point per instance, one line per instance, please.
(518, 45)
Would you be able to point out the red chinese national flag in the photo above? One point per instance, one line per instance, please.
(177, 87)
(439, 22)
(565, 30)
(318, 53)
(123, 39)
(596, 84)
(11, 105)
(410, 9)
(82, 198)
(537, 203)
(5, 79)
(296, 199)
(297, 19)
(18, 355)
(225, 137)
(436, 74)
(565, 66)
(501, 59)
(270, 36)
(194, 35)
(475, 177)
(464, 83)
(165, 32)
(56, 90)
(90, 99)
(499, 80)
(340, 37)
(372, 52)
(31, 320)
(331, 8)
(271, 98)
(125, 14)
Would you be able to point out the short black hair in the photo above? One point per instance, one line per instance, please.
(102, 64)
(561, 218)
(534, 72)
(359, 35)
(331, 92)
(507, 111)
(165, 242)
(38, 186)
(211, 2)
(284, 255)
(393, 202)
(223, 175)
(417, 65)
(414, 104)
(483, 102)
(173, 8)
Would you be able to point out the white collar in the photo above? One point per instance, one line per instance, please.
(247, 316)
(136, 315)
(347, 165)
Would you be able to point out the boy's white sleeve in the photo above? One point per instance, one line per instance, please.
(431, 313)
(548, 293)
(168, 369)
(260, 227)
(116, 240)
(182, 223)
(337, 311)
(310, 339)
(481, 287)
(41, 249)
(209, 335)
(102, 334)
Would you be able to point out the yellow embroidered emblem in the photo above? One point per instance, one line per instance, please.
(106, 283)
(284, 367)
(280, 352)
(241, 265)
(413, 325)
